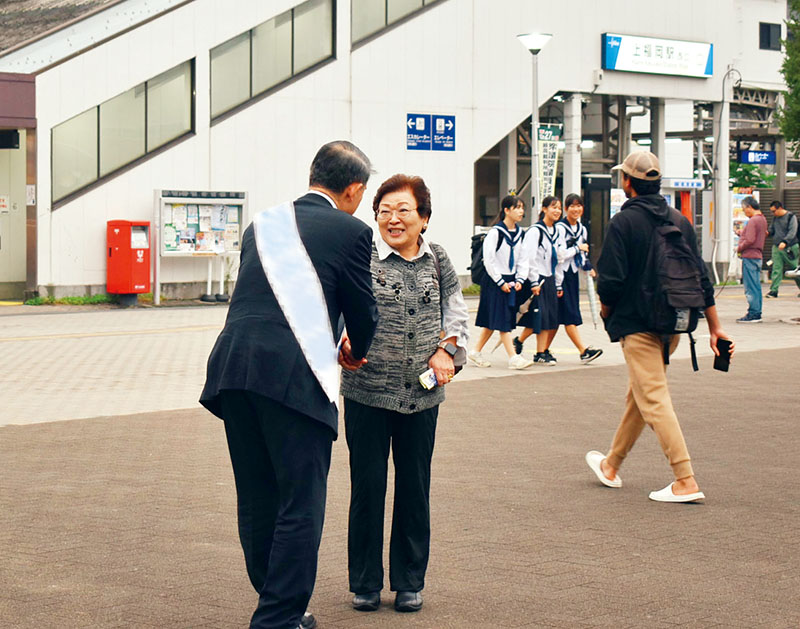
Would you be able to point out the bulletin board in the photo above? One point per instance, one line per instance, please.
(197, 223)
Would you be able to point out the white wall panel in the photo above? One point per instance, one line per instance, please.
(459, 57)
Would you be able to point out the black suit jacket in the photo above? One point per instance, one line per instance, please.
(257, 351)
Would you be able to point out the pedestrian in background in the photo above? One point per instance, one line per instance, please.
(540, 260)
(751, 250)
(423, 325)
(785, 247)
(622, 270)
(573, 257)
(502, 258)
(272, 375)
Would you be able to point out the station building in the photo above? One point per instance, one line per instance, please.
(104, 103)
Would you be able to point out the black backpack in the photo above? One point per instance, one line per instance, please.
(476, 269)
(672, 294)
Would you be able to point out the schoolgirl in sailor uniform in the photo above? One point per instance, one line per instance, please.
(502, 258)
(573, 257)
(541, 256)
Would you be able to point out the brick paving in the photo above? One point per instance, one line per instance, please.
(128, 520)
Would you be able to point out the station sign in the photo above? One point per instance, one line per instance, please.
(757, 157)
(430, 132)
(652, 55)
(683, 184)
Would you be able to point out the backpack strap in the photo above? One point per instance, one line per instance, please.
(665, 342)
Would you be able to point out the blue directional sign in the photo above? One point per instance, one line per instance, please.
(418, 132)
(444, 133)
(757, 157)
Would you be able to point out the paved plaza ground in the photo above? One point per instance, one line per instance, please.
(125, 515)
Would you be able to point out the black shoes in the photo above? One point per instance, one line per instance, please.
(517, 345)
(771, 293)
(589, 354)
(367, 602)
(408, 601)
(307, 621)
(544, 358)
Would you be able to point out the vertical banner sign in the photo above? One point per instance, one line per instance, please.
(549, 136)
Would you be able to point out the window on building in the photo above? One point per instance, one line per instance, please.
(169, 105)
(74, 153)
(271, 53)
(769, 36)
(122, 121)
(313, 33)
(397, 9)
(108, 137)
(368, 17)
(230, 74)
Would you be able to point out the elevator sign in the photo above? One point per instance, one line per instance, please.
(430, 132)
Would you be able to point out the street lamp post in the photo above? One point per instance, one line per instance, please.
(534, 42)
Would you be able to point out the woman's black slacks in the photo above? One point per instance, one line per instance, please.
(370, 432)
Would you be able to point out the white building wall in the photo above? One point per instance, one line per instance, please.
(459, 57)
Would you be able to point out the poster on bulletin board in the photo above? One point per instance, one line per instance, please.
(194, 223)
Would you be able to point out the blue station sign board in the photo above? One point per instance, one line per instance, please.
(757, 157)
(430, 132)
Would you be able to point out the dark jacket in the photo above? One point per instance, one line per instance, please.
(622, 262)
(257, 350)
(784, 229)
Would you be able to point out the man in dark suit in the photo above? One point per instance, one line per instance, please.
(264, 381)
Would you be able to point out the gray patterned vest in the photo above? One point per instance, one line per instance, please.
(409, 327)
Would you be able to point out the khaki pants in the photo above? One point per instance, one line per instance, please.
(648, 402)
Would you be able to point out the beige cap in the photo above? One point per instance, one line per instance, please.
(641, 165)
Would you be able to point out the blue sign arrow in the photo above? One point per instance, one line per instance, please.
(418, 132)
(444, 133)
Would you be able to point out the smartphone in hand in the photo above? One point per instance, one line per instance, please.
(723, 361)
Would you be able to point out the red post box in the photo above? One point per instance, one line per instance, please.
(128, 263)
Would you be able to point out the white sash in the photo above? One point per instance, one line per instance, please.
(299, 292)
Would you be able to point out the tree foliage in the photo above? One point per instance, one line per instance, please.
(749, 176)
(788, 116)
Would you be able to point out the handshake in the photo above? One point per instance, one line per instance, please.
(346, 359)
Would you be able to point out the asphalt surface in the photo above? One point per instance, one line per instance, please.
(128, 520)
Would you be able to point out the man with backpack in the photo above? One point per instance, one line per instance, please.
(784, 246)
(652, 283)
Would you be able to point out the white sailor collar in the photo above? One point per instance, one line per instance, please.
(384, 250)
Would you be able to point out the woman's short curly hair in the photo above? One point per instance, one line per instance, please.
(415, 185)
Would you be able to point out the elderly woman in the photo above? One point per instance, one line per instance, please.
(422, 326)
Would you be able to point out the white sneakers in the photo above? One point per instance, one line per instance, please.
(477, 359)
(517, 361)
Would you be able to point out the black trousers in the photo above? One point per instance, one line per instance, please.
(280, 463)
(370, 431)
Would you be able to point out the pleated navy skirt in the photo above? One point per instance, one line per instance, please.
(543, 313)
(569, 310)
(496, 309)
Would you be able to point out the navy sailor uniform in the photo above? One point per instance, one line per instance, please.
(502, 258)
(571, 260)
(541, 256)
